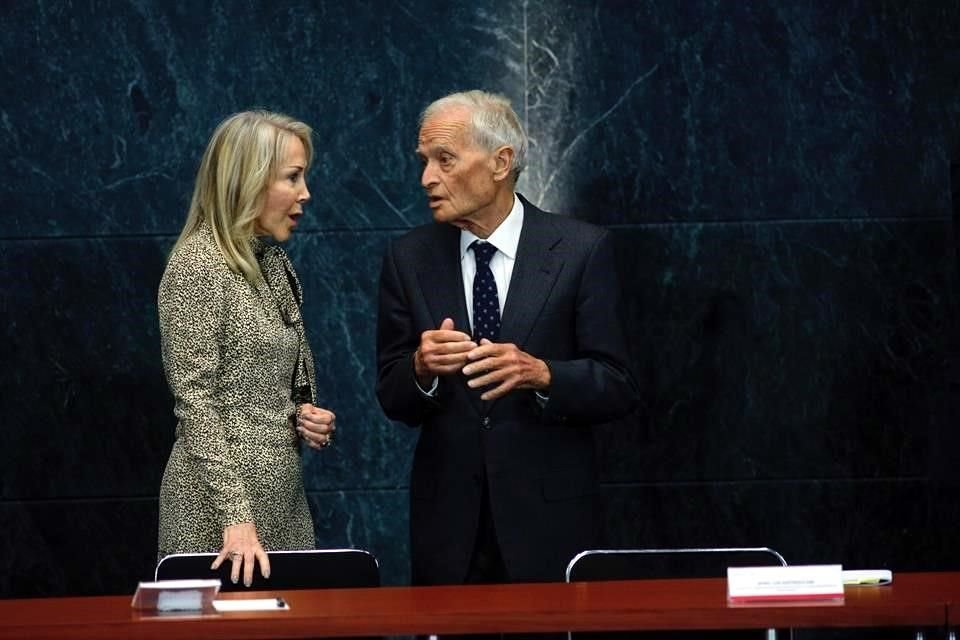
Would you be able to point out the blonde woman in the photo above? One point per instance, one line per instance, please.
(235, 354)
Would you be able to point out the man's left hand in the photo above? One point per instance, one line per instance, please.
(504, 367)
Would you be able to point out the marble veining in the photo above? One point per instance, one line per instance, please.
(777, 176)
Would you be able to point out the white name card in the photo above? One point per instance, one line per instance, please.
(175, 595)
(800, 582)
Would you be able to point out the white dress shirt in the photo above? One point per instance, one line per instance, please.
(506, 238)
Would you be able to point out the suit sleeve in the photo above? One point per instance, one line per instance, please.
(397, 341)
(597, 385)
(191, 307)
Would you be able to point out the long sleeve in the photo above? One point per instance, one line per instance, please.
(191, 306)
(596, 386)
(397, 340)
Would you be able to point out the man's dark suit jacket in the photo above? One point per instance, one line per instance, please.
(539, 462)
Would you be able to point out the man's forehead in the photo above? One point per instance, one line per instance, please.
(445, 127)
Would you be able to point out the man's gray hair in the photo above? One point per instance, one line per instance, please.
(495, 123)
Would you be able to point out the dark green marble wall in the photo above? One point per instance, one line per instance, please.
(778, 175)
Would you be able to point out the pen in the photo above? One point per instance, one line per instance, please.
(280, 603)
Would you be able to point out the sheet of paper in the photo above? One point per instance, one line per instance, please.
(868, 577)
(254, 604)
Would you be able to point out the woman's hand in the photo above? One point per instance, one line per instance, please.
(316, 426)
(242, 547)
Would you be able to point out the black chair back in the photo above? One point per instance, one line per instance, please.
(314, 569)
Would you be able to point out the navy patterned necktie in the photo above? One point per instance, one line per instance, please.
(486, 302)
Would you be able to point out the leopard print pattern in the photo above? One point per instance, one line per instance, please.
(231, 355)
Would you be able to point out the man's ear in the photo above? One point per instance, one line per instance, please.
(502, 163)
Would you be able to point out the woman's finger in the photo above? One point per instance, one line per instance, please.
(236, 562)
(248, 562)
(264, 561)
(318, 415)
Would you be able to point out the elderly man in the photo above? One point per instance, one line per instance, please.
(499, 336)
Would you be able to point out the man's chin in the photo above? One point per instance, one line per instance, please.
(448, 215)
(442, 214)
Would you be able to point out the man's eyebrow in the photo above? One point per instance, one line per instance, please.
(424, 150)
(441, 148)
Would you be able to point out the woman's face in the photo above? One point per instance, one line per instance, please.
(286, 194)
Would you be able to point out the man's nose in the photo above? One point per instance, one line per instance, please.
(429, 175)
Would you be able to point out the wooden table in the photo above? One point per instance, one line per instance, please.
(918, 600)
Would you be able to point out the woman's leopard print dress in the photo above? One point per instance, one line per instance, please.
(238, 364)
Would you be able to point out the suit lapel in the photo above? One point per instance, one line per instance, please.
(534, 275)
(441, 280)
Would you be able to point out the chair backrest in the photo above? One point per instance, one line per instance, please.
(313, 569)
(631, 564)
(636, 564)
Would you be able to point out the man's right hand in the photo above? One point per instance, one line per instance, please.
(441, 352)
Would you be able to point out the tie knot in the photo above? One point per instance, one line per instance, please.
(483, 251)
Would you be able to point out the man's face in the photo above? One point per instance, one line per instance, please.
(458, 176)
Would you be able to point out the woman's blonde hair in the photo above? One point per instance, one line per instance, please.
(240, 162)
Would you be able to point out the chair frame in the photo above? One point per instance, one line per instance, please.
(666, 551)
(771, 633)
(273, 555)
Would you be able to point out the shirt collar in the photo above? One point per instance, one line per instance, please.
(506, 237)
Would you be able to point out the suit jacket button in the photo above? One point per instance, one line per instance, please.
(486, 422)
